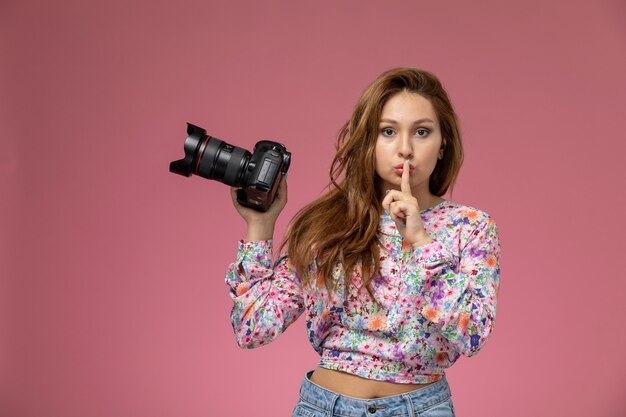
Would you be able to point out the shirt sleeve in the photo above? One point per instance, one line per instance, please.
(460, 293)
(267, 297)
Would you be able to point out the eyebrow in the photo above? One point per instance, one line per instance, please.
(417, 122)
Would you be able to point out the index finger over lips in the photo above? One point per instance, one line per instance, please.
(405, 185)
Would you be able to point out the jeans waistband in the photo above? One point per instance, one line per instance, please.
(413, 401)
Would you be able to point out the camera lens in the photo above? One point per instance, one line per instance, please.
(223, 162)
(212, 158)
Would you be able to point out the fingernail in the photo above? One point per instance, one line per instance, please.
(387, 192)
(410, 164)
(286, 175)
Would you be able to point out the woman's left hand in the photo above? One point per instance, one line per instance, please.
(405, 212)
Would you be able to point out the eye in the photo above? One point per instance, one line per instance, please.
(422, 132)
(386, 131)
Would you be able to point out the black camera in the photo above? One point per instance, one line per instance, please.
(257, 174)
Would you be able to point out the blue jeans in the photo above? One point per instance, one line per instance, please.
(430, 401)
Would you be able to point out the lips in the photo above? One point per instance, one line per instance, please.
(400, 169)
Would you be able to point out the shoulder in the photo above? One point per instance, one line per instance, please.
(463, 220)
(461, 213)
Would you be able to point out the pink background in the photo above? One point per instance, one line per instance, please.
(112, 300)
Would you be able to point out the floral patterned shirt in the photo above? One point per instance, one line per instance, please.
(434, 303)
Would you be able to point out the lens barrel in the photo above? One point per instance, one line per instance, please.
(223, 162)
(212, 158)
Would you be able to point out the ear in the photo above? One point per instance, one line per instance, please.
(443, 146)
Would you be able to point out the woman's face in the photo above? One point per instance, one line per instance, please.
(408, 129)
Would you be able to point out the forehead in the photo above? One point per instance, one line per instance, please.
(407, 106)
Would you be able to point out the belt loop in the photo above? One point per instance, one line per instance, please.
(331, 408)
(409, 405)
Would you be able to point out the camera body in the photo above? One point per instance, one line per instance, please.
(257, 174)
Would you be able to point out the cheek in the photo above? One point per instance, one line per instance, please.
(428, 154)
(377, 168)
(379, 157)
(427, 162)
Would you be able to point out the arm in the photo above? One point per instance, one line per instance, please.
(460, 295)
(266, 299)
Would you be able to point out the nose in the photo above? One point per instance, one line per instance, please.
(405, 146)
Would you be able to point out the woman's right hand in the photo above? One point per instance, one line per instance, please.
(261, 225)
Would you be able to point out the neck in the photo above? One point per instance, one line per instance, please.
(425, 199)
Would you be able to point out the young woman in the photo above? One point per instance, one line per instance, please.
(396, 281)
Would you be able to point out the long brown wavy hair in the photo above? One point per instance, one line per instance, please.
(340, 228)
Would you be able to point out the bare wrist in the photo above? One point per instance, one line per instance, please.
(259, 231)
